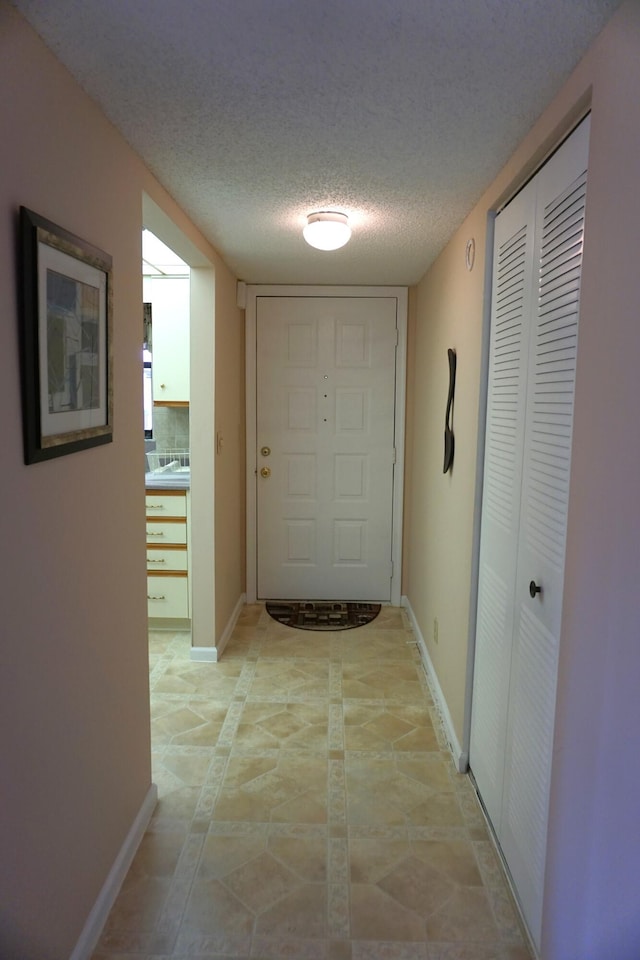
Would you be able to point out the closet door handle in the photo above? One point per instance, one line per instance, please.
(533, 589)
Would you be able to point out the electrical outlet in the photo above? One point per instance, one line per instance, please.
(435, 629)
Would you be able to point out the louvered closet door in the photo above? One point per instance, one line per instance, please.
(560, 210)
(511, 307)
(536, 292)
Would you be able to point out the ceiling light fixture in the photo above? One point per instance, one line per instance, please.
(327, 229)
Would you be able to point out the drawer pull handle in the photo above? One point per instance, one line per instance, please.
(156, 561)
(155, 506)
(149, 597)
(150, 533)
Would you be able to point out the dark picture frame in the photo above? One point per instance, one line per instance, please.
(66, 319)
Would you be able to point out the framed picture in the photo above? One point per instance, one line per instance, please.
(65, 340)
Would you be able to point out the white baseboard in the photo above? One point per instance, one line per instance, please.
(228, 630)
(213, 654)
(204, 654)
(106, 898)
(459, 755)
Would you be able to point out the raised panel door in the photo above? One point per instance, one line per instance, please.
(325, 413)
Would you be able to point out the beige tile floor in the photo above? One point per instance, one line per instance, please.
(308, 809)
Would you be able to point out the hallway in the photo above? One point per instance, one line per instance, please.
(308, 808)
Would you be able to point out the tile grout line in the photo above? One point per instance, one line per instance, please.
(179, 931)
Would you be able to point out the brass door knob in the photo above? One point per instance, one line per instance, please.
(265, 472)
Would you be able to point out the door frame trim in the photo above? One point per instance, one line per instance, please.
(401, 295)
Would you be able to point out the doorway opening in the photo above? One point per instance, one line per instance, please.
(166, 293)
(183, 364)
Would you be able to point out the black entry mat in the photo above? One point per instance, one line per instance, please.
(322, 614)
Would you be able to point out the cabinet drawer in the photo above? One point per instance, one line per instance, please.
(166, 504)
(166, 532)
(166, 558)
(168, 597)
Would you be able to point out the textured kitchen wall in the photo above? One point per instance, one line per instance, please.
(171, 428)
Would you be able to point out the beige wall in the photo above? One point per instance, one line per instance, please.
(439, 524)
(74, 703)
(596, 788)
(594, 851)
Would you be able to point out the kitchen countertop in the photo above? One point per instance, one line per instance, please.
(167, 481)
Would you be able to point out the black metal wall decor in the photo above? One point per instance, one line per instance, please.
(449, 444)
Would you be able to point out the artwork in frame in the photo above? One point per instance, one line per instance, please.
(65, 341)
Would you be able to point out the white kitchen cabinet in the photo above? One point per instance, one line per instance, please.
(169, 298)
(168, 597)
(166, 503)
(168, 530)
(168, 588)
(161, 558)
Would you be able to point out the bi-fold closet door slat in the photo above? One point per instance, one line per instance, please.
(504, 444)
(517, 638)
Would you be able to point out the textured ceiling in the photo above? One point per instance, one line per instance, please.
(255, 112)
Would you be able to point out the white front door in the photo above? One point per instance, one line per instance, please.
(325, 421)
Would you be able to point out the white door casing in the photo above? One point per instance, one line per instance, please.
(325, 375)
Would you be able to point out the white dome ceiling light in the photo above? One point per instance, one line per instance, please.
(327, 229)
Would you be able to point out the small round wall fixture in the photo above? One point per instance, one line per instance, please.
(327, 229)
